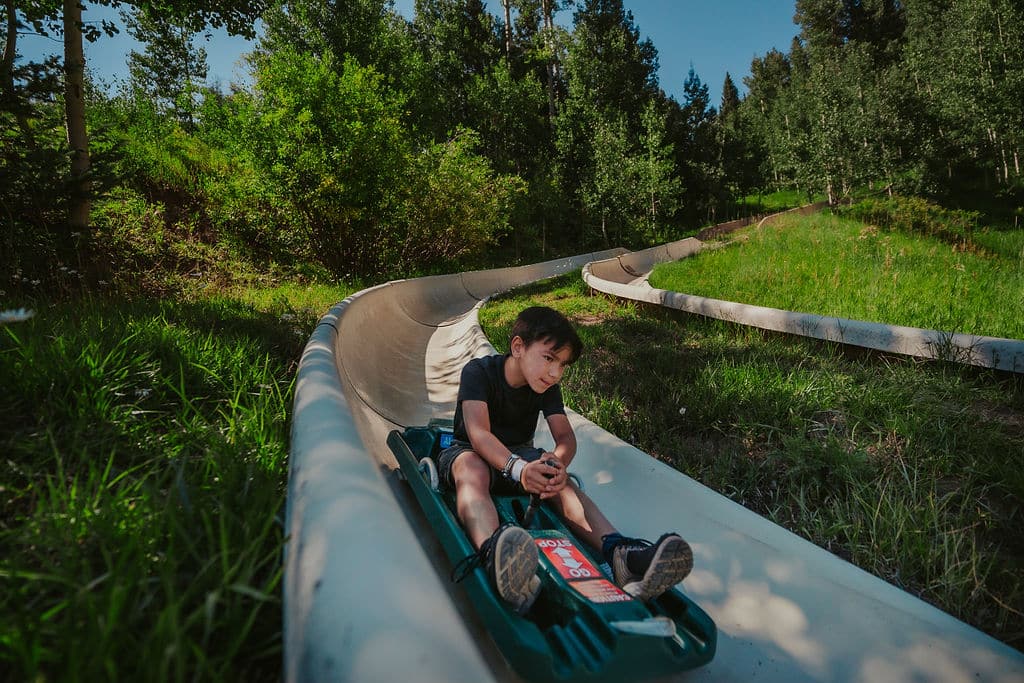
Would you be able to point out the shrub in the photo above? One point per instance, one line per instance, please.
(914, 215)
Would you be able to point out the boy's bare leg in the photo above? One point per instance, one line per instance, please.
(476, 510)
(582, 515)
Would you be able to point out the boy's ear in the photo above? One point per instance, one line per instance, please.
(516, 346)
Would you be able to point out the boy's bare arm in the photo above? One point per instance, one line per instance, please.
(565, 438)
(484, 442)
(536, 477)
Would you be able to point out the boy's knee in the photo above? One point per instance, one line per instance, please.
(469, 469)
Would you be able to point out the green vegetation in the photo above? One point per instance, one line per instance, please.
(842, 267)
(908, 469)
(773, 202)
(142, 485)
(178, 240)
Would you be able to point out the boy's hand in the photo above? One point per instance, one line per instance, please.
(544, 477)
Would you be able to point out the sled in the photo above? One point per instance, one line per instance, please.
(582, 626)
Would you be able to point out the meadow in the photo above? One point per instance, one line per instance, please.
(836, 266)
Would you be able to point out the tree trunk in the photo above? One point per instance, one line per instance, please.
(508, 30)
(74, 107)
(551, 65)
(7, 75)
(10, 48)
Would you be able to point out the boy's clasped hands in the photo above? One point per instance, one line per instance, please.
(544, 477)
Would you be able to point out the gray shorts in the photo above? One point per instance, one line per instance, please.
(499, 484)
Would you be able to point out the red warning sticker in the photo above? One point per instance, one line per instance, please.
(601, 590)
(567, 558)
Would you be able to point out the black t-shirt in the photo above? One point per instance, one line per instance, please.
(513, 411)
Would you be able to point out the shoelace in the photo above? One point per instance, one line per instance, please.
(468, 565)
(637, 545)
(633, 544)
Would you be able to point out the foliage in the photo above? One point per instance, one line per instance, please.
(330, 136)
(170, 68)
(144, 469)
(916, 215)
(912, 95)
(367, 202)
(457, 206)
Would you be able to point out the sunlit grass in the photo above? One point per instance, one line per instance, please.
(142, 485)
(838, 267)
(780, 200)
(909, 469)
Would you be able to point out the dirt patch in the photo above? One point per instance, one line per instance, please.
(589, 319)
(1012, 420)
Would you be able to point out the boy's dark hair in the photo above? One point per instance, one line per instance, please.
(540, 323)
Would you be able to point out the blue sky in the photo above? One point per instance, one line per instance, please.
(715, 37)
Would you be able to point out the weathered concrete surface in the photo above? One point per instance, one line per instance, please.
(366, 595)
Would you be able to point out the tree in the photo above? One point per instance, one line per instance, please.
(608, 192)
(238, 16)
(694, 136)
(458, 42)
(658, 187)
(768, 89)
(734, 160)
(608, 65)
(171, 68)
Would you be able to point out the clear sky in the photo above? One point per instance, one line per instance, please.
(715, 36)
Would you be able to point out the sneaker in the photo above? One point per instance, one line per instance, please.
(645, 570)
(510, 559)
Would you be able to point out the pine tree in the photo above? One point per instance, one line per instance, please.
(171, 68)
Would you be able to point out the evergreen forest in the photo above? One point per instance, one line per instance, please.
(372, 146)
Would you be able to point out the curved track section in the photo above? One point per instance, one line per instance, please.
(366, 595)
(626, 277)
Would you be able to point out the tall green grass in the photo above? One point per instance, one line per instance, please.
(906, 468)
(142, 479)
(841, 267)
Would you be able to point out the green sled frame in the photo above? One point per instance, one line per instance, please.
(582, 627)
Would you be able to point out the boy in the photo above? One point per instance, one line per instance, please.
(492, 451)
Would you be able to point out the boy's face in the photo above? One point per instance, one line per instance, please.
(541, 364)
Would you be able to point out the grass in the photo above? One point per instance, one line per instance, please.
(909, 469)
(780, 200)
(142, 485)
(868, 274)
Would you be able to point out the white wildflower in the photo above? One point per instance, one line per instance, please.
(16, 315)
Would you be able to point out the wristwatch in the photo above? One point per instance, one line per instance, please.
(513, 470)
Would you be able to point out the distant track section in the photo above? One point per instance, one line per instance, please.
(626, 277)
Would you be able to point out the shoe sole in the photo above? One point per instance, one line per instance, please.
(672, 563)
(515, 569)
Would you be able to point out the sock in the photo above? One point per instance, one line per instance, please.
(608, 543)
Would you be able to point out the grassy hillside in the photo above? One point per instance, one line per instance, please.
(843, 267)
